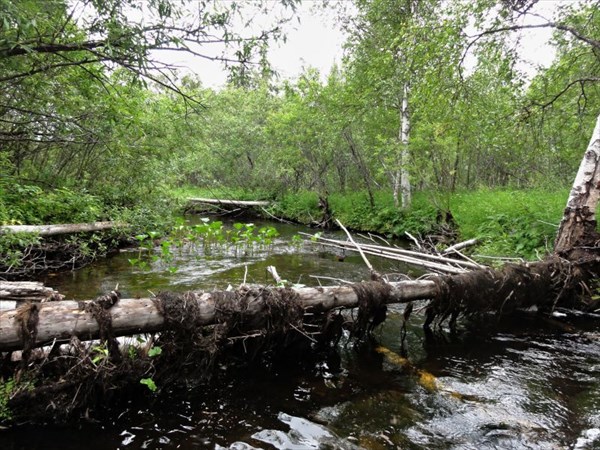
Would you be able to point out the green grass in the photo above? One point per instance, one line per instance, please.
(508, 222)
(518, 223)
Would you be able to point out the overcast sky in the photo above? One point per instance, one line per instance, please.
(312, 39)
(317, 41)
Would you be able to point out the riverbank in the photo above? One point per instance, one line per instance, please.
(24, 255)
(507, 222)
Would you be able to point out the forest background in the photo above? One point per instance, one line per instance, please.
(427, 114)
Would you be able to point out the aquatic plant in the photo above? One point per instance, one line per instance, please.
(208, 237)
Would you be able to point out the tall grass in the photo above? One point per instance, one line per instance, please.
(508, 222)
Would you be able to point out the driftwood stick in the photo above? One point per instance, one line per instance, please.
(466, 258)
(279, 219)
(460, 246)
(368, 264)
(414, 239)
(273, 272)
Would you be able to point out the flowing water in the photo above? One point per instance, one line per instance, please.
(522, 383)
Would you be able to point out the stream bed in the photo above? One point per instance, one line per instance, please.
(512, 384)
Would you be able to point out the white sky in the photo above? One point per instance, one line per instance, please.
(317, 42)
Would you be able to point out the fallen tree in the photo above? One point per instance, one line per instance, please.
(216, 201)
(63, 319)
(543, 284)
(65, 228)
(46, 249)
(26, 291)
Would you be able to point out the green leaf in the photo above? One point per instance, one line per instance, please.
(149, 382)
(154, 351)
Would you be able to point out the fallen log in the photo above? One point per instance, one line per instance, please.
(215, 201)
(545, 285)
(63, 319)
(66, 228)
(26, 291)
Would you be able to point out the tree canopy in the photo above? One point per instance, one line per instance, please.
(429, 97)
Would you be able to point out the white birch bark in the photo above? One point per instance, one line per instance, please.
(579, 220)
(65, 228)
(404, 154)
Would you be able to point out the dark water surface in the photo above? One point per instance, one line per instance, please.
(523, 383)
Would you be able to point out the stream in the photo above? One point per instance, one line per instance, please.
(512, 384)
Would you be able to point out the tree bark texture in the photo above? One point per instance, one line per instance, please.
(578, 226)
(64, 319)
(405, 185)
(53, 230)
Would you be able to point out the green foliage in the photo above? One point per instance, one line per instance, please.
(6, 390)
(28, 204)
(99, 353)
(149, 383)
(354, 211)
(510, 222)
(155, 351)
(12, 246)
(301, 206)
(507, 222)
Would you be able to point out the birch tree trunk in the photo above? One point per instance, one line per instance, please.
(402, 177)
(578, 226)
